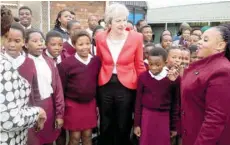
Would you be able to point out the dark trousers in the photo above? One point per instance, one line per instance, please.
(116, 106)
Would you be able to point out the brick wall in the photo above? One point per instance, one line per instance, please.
(81, 8)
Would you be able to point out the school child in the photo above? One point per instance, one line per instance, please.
(72, 26)
(174, 57)
(79, 74)
(185, 61)
(50, 89)
(61, 23)
(147, 48)
(98, 29)
(193, 56)
(153, 121)
(54, 47)
(14, 45)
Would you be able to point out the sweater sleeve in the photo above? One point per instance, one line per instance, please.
(138, 105)
(58, 96)
(217, 109)
(175, 105)
(63, 75)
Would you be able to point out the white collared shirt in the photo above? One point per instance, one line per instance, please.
(16, 62)
(63, 29)
(44, 76)
(58, 58)
(81, 60)
(90, 32)
(161, 75)
(146, 61)
(115, 49)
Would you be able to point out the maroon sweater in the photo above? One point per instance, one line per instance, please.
(79, 80)
(156, 95)
(28, 71)
(69, 48)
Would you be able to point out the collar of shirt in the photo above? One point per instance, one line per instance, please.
(70, 42)
(16, 62)
(63, 29)
(161, 75)
(146, 61)
(81, 60)
(58, 59)
(40, 57)
(48, 54)
(29, 27)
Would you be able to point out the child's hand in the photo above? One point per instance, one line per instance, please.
(137, 131)
(41, 120)
(173, 134)
(59, 123)
(40, 124)
(173, 73)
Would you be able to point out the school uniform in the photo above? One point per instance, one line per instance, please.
(146, 63)
(154, 112)
(68, 46)
(63, 31)
(16, 116)
(63, 55)
(205, 97)
(79, 80)
(51, 100)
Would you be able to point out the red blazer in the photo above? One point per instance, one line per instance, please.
(130, 61)
(205, 97)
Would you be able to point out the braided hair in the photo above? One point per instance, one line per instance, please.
(57, 22)
(224, 29)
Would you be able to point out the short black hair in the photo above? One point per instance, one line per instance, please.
(101, 20)
(139, 22)
(194, 29)
(77, 34)
(145, 26)
(70, 23)
(6, 20)
(158, 51)
(173, 47)
(72, 13)
(130, 22)
(16, 19)
(52, 34)
(31, 31)
(161, 37)
(149, 44)
(23, 8)
(192, 48)
(19, 27)
(96, 28)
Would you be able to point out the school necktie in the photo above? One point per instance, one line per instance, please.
(55, 59)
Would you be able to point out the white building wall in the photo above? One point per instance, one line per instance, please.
(209, 12)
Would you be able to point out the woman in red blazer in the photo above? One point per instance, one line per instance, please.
(121, 55)
(205, 97)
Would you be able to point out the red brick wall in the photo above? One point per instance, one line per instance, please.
(81, 8)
